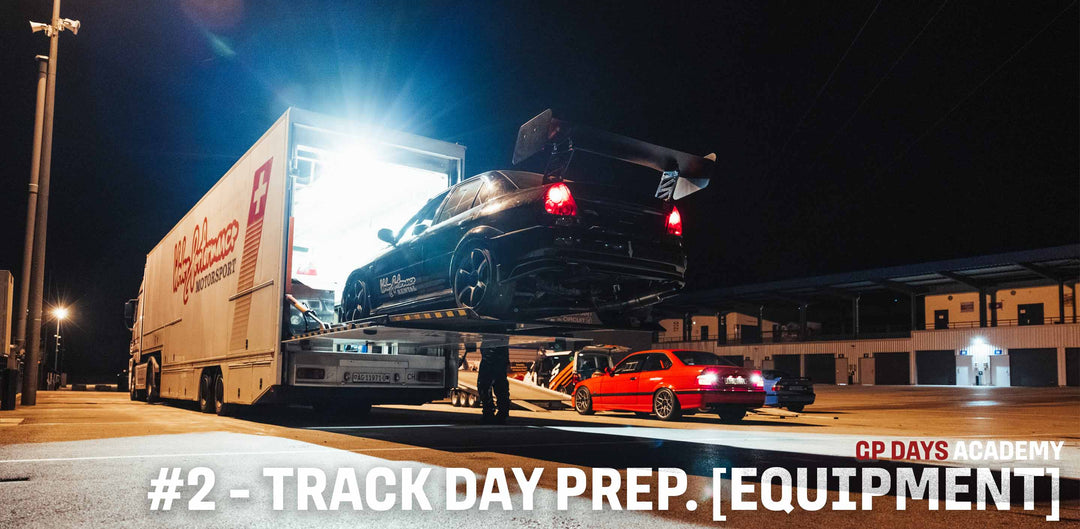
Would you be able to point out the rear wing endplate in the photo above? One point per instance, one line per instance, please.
(680, 173)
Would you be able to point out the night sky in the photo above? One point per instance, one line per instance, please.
(851, 135)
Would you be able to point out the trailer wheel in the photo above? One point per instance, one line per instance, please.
(471, 401)
(455, 398)
(206, 389)
(153, 383)
(220, 407)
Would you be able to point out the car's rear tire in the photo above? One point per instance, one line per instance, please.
(666, 405)
(731, 415)
(474, 278)
(583, 401)
(797, 408)
(355, 300)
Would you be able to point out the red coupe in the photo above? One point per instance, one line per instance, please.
(670, 382)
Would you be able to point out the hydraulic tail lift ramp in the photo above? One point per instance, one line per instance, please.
(440, 338)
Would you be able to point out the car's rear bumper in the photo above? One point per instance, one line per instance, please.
(708, 398)
(784, 399)
(588, 254)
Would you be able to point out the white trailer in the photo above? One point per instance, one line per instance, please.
(282, 229)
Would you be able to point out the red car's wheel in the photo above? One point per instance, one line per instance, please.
(583, 401)
(666, 405)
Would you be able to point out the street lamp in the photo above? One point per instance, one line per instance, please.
(60, 313)
(43, 165)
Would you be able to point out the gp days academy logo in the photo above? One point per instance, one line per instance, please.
(190, 268)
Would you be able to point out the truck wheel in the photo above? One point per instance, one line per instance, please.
(153, 383)
(220, 407)
(471, 401)
(731, 415)
(206, 389)
(666, 405)
(455, 399)
(355, 300)
(583, 401)
(475, 280)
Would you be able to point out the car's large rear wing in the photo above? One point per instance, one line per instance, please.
(680, 173)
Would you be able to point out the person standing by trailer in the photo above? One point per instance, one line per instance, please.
(494, 362)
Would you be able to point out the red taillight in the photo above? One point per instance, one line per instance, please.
(559, 201)
(674, 222)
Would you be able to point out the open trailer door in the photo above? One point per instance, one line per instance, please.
(347, 184)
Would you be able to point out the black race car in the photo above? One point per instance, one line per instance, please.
(522, 245)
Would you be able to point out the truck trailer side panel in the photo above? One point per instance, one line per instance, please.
(212, 298)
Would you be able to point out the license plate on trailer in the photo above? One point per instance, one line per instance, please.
(796, 388)
(370, 377)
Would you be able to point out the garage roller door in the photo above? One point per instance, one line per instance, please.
(1033, 367)
(892, 369)
(821, 368)
(936, 367)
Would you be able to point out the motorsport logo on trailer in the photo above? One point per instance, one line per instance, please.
(190, 268)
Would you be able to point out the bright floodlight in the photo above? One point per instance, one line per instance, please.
(60, 312)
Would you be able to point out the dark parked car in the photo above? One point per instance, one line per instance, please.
(513, 244)
(787, 391)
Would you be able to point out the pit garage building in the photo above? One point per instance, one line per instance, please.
(997, 320)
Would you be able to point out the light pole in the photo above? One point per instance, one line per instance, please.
(60, 313)
(37, 282)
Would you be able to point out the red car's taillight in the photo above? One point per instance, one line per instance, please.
(559, 201)
(757, 380)
(708, 377)
(674, 222)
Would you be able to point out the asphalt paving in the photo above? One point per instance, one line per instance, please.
(88, 459)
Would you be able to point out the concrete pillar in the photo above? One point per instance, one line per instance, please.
(993, 308)
(913, 369)
(855, 316)
(1061, 302)
(802, 365)
(802, 321)
(1062, 373)
(1074, 303)
(982, 308)
(914, 324)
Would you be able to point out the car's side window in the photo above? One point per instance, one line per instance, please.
(461, 200)
(630, 365)
(495, 186)
(424, 217)
(656, 362)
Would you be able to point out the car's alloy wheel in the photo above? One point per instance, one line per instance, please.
(583, 401)
(473, 278)
(665, 405)
(354, 301)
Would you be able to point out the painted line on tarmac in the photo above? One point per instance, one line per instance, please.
(378, 427)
